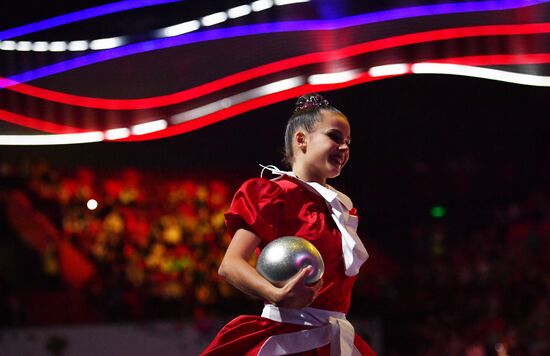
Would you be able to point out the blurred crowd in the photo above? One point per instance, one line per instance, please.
(138, 245)
(152, 245)
(478, 291)
(475, 280)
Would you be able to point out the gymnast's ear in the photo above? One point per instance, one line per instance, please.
(300, 138)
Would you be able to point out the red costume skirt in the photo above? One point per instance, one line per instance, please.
(246, 334)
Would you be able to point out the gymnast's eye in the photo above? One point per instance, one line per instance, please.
(335, 136)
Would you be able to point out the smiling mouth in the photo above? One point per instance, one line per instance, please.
(339, 161)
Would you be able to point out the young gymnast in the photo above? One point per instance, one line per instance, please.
(297, 318)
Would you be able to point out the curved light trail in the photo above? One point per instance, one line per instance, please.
(482, 73)
(34, 123)
(277, 27)
(80, 16)
(60, 139)
(228, 103)
(92, 44)
(159, 128)
(311, 58)
(374, 17)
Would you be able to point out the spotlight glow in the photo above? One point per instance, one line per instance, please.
(91, 204)
(438, 211)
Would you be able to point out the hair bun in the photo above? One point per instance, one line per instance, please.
(310, 102)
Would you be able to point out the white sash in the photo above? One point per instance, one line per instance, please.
(339, 205)
(329, 327)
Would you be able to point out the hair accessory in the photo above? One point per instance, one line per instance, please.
(313, 101)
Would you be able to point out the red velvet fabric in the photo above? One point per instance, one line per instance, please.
(246, 334)
(273, 209)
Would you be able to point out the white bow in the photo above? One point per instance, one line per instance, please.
(339, 205)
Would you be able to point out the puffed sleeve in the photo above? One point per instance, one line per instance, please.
(257, 206)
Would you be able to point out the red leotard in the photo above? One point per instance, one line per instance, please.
(273, 209)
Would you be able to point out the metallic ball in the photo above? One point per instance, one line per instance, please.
(282, 258)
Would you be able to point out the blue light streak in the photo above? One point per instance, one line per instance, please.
(276, 27)
(79, 16)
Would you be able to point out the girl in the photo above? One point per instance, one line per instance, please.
(297, 318)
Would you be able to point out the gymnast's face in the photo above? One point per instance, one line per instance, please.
(324, 151)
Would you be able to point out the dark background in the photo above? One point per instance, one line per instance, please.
(479, 148)
(398, 126)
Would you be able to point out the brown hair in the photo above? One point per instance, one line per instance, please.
(307, 113)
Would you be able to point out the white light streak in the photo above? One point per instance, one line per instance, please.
(78, 45)
(330, 78)
(478, 72)
(179, 29)
(62, 139)
(149, 127)
(237, 99)
(116, 134)
(239, 11)
(214, 19)
(40, 46)
(58, 46)
(106, 43)
(23, 46)
(389, 69)
(225, 103)
(288, 2)
(8, 45)
(261, 5)
(278, 86)
(198, 112)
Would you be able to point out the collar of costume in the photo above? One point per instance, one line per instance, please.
(326, 327)
(339, 205)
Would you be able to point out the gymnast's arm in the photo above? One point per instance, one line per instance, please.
(236, 270)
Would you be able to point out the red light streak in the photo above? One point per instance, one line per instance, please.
(248, 106)
(311, 58)
(496, 59)
(38, 124)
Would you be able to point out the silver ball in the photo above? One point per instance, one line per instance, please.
(282, 258)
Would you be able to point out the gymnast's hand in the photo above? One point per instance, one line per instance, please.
(296, 293)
